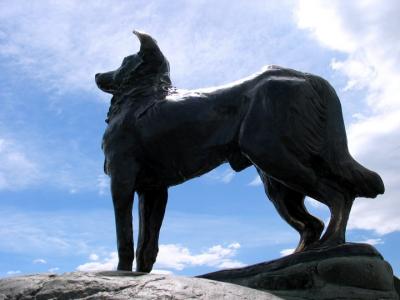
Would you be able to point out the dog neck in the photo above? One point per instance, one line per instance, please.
(137, 99)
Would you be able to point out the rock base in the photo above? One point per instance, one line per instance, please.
(349, 271)
(122, 285)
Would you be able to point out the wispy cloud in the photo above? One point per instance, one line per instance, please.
(313, 202)
(256, 181)
(107, 263)
(47, 233)
(76, 233)
(39, 261)
(14, 272)
(365, 32)
(103, 184)
(33, 161)
(248, 231)
(285, 252)
(93, 257)
(223, 176)
(70, 43)
(373, 242)
(17, 170)
(162, 272)
(54, 270)
(63, 44)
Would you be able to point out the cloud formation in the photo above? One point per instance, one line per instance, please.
(39, 261)
(223, 176)
(65, 43)
(17, 170)
(372, 242)
(25, 163)
(106, 264)
(256, 181)
(175, 257)
(13, 272)
(44, 234)
(285, 252)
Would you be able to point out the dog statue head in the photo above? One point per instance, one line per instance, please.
(143, 73)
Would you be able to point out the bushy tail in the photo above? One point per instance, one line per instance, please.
(364, 182)
(358, 179)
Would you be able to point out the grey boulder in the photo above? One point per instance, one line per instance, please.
(121, 285)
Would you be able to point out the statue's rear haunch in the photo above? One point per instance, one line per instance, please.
(285, 123)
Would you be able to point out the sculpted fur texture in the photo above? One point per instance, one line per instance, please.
(285, 123)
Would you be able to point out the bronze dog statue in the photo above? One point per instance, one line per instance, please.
(286, 123)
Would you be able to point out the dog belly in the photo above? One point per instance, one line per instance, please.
(171, 166)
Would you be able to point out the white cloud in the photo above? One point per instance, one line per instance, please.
(228, 176)
(223, 176)
(176, 257)
(63, 44)
(162, 272)
(39, 261)
(31, 160)
(13, 272)
(360, 74)
(93, 257)
(372, 242)
(286, 252)
(108, 263)
(103, 184)
(366, 32)
(17, 170)
(313, 202)
(53, 270)
(325, 23)
(54, 233)
(256, 181)
(231, 264)
(75, 234)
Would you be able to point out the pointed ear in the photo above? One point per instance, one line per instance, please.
(148, 45)
(150, 51)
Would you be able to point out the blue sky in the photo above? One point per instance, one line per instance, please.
(55, 206)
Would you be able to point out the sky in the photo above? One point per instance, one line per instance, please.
(55, 206)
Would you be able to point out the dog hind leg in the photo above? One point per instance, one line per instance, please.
(290, 205)
(339, 205)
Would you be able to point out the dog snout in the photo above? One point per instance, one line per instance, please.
(106, 82)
